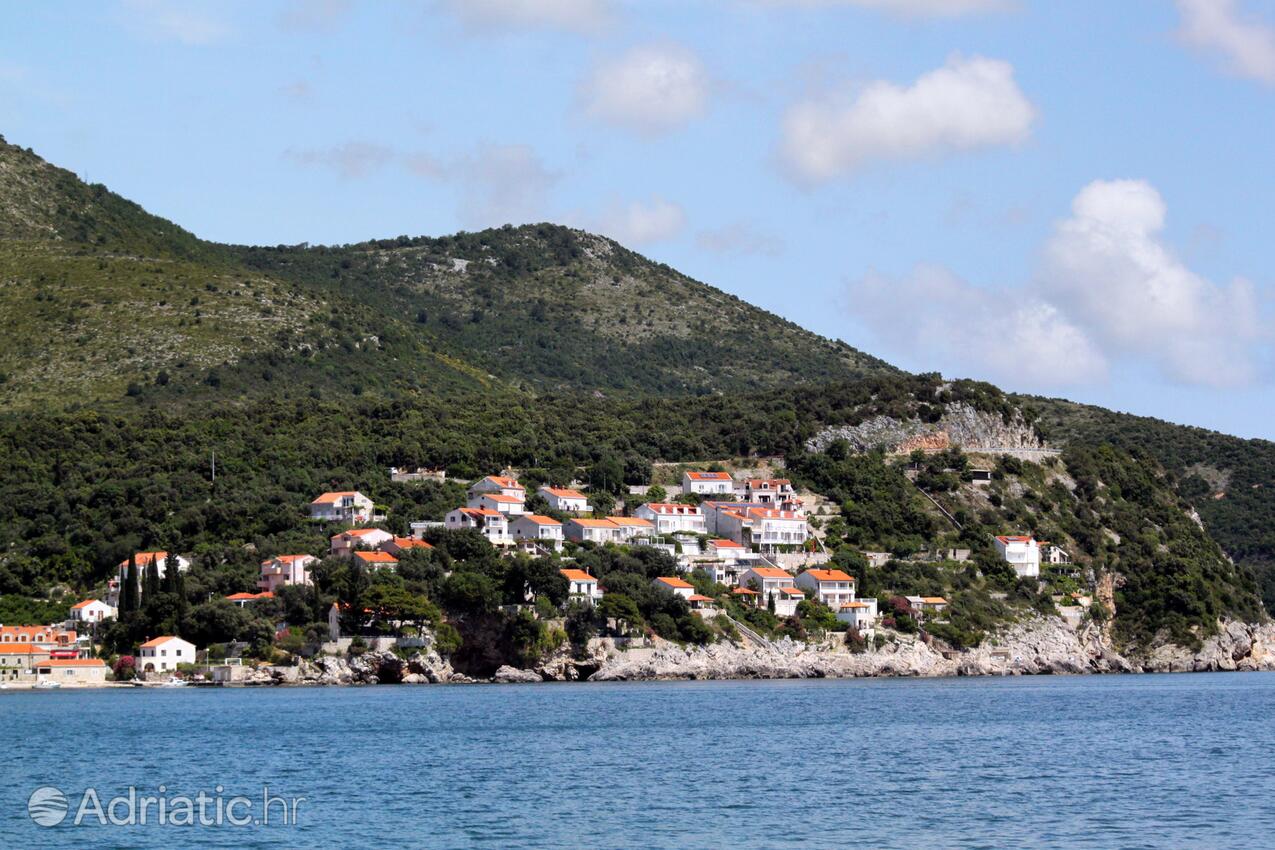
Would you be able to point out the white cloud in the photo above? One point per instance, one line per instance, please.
(185, 22)
(501, 184)
(1108, 267)
(933, 316)
(967, 104)
(641, 222)
(350, 160)
(1108, 290)
(740, 239)
(313, 15)
(910, 8)
(650, 89)
(582, 16)
(1246, 42)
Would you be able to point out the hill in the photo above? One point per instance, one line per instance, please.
(130, 350)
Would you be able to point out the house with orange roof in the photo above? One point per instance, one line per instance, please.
(72, 671)
(767, 529)
(542, 529)
(502, 484)
(673, 517)
(283, 570)
(245, 599)
(491, 524)
(708, 483)
(345, 506)
(164, 653)
(396, 546)
(769, 491)
(377, 560)
(700, 602)
(509, 505)
(92, 611)
(587, 530)
(773, 585)
(47, 637)
(833, 588)
(860, 614)
(346, 542)
(674, 585)
(581, 587)
(162, 562)
(18, 659)
(629, 528)
(565, 500)
(1022, 552)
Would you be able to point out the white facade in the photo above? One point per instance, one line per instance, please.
(501, 484)
(627, 528)
(92, 611)
(283, 570)
(162, 560)
(765, 528)
(164, 653)
(546, 530)
(583, 530)
(567, 501)
(359, 538)
(668, 518)
(859, 614)
(581, 587)
(833, 588)
(772, 583)
(508, 505)
(708, 483)
(348, 506)
(768, 491)
(1022, 553)
(491, 524)
(786, 600)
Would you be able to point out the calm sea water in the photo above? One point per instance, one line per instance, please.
(1089, 762)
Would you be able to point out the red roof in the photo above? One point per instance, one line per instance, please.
(563, 493)
(86, 603)
(672, 508)
(329, 498)
(770, 572)
(576, 575)
(501, 498)
(376, 558)
(674, 581)
(726, 544)
(829, 575)
(162, 639)
(541, 519)
(708, 476)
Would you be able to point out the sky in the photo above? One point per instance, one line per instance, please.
(1069, 199)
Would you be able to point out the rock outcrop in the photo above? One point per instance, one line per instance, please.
(960, 425)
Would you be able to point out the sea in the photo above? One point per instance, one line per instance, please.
(1105, 762)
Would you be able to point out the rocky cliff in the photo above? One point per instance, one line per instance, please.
(960, 425)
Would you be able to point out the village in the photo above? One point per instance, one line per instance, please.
(751, 538)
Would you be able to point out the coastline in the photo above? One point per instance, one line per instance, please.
(1035, 647)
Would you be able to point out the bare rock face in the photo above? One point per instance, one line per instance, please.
(509, 675)
(960, 425)
(1236, 646)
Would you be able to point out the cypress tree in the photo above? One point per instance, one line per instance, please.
(152, 579)
(128, 593)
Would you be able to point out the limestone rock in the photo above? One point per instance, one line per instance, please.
(509, 675)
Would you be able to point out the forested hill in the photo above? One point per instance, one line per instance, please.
(102, 300)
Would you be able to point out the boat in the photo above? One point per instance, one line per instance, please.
(47, 684)
(173, 682)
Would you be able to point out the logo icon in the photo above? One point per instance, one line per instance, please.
(47, 806)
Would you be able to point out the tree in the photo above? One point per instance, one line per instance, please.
(128, 593)
(622, 609)
(656, 493)
(607, 475)
(125, 668)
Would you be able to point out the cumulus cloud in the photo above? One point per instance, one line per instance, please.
(582, 16)
(1245, 42)
(641, 222)
(967, 104)
(352, 160)
(1108, 290)
(938, 317)
(167, 20)
(910, 8)
(650, 89)
(740, 239)
(1107, 266)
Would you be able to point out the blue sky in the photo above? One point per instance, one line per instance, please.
(1069, 198)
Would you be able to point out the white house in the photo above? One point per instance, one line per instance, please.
(766, 528)
(629, 527)
(708, 483)
(769, 491)
(508, 505)
(927, 605)
(72, 671)
(585, 530)
(491, 524)
(92, 611)
(581, 587)
(358, 538)
(1052, 553)
(669, 517)
(377, 560)
(713, 512)
(164, 653)
(545, 530)
(567, 501)
(502, 484)
(283, 570)
(347, 506)
(396, 546)
(162, 561)
(1022, 553)
(859, 614)
(245, 599)
(833, 588)
(773, 583)
(674, 585)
